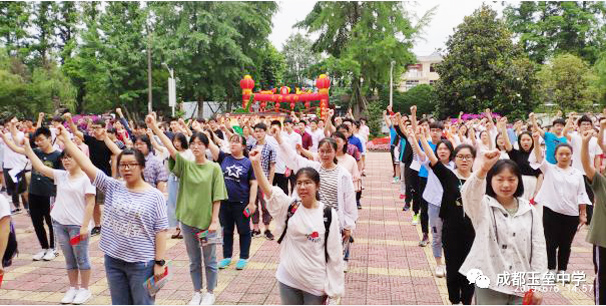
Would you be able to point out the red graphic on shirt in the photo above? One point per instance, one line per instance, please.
(314, 235)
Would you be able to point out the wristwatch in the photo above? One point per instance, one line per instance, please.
(160, 263)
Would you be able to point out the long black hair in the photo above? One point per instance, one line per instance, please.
(500, 166)
(448, 145)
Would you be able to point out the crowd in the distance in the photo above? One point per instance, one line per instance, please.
(489, 195)
(132, 182)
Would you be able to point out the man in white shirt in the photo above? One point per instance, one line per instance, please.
(576, 141)
(279, 179)
(293, 138)
(316, 133)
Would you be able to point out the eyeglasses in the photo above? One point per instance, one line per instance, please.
(128, 165)
(465, 157)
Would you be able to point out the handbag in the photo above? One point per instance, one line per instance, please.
(21, 181)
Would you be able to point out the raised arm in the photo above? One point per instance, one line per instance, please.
(474, 189)
(490, 122)
(110, 144)
(601, 135)
(585, 160)
(72, 126)
(433, 159)
(154, 143)
(79, 156)
(255, 159)
(9, 142)
(503, 129)
(214, 149)
(40, 119)
(329, 128)
(535, 125)
(568, 127)
(537, 147)
(151, 123)
(36, 162)
(413, 117)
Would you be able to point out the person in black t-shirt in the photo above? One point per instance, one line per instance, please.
(532, 178)
(100, 156)
(457, 231)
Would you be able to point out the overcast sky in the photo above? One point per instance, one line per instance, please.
(448, 15)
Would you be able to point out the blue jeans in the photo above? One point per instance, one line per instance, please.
(232, 215)
(171, 202)
(436, 229)
(192, 245)
(125, 280)
(76, 257)
(293, 296)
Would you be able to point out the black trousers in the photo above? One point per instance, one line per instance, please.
(412, 187)
(11, 187)
(231, 215)
(408, 175)
(457, 240)
(599, 283)
(559, 233)
(40, 212)
(591, 195)
(261, 207)
(281, 181)
(423, 204)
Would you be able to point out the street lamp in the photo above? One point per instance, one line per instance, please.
(391, 84)
(172, 90)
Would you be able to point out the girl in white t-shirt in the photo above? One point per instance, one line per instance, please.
(71, 214)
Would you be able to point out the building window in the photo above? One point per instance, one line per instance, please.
(432, 82)
(411, 84)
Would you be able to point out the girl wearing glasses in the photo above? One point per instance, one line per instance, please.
(456, 230)
(201, 190)
(72, 215)
(133, 236)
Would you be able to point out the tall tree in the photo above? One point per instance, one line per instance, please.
(14, 21)
(270, 68)
(483, 68)
(547, 28)
(568, 82)
(68, 19)
(299, 58)
(44, 22)
(362, 38)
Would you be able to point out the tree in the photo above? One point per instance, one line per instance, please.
(299, 58)
(548, 28)
(44, 22)
(567, 81)
(600, 70)
(270, 68)
(483, 68)
(362, 38)
(14, 21)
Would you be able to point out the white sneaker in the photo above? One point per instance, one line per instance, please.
(196, 299)
(82, 296)
(50, 255)
(39, 255)
(209, 299)
(440, 271)
(69, 296)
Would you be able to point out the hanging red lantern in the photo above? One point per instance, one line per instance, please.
(323, 83)
(284, 90)
(277, 107)
(247, 84)
(292, 105)
(263, 104)
(307, 104)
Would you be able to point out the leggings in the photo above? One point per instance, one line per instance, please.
(457, 239)
(559, 233)
(423, 204)
(40, 212)
(293, 296)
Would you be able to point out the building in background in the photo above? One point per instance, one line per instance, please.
(423, 72)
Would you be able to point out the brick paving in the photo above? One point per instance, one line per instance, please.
(386, 265)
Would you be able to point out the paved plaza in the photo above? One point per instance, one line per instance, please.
(386, 267)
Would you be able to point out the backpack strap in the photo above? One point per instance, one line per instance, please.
(327, 221)
(292, 208)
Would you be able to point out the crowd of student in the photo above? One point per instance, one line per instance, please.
(510, 199)
(488, 195)
(203, 178)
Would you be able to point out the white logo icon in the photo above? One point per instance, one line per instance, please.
(475, 276)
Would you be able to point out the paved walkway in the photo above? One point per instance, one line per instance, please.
(386, 266)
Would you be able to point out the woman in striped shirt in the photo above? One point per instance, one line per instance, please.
(133, 236)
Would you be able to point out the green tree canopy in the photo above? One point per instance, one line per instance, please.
(483, 68)
(299, 58)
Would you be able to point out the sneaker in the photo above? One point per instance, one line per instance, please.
(224, 263)
(359, 206)
(39, 255)
(345, 266)
(95, 231)
(440, 271)
(425, 241)
(395, 180)
(332, 301)
(209, 299)
(16, 211)
(406, 207)
(415, 219)
(50, 255)
(241, 264)
(196, 299)
(255, 233)
(82, 296)
(69, 296)
(269, 235)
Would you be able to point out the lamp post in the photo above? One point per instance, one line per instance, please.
(172, 90)
(391, 84)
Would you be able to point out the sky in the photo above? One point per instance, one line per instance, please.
(447, 16)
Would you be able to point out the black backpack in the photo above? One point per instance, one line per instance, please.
(11, 248)
(292, 208)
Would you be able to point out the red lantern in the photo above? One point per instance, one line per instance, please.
(295, 98)
(292, 105)
(288, 98)
(280, 98)
(247, 83)
(284, 90)
(323, 82)
(263, 104)
(277, 107)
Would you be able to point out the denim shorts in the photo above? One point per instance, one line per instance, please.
(76, 257)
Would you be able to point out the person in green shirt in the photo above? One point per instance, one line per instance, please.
(201, 190)
(597, 227)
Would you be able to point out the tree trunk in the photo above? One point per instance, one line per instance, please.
(358, 101)
(200, 107)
